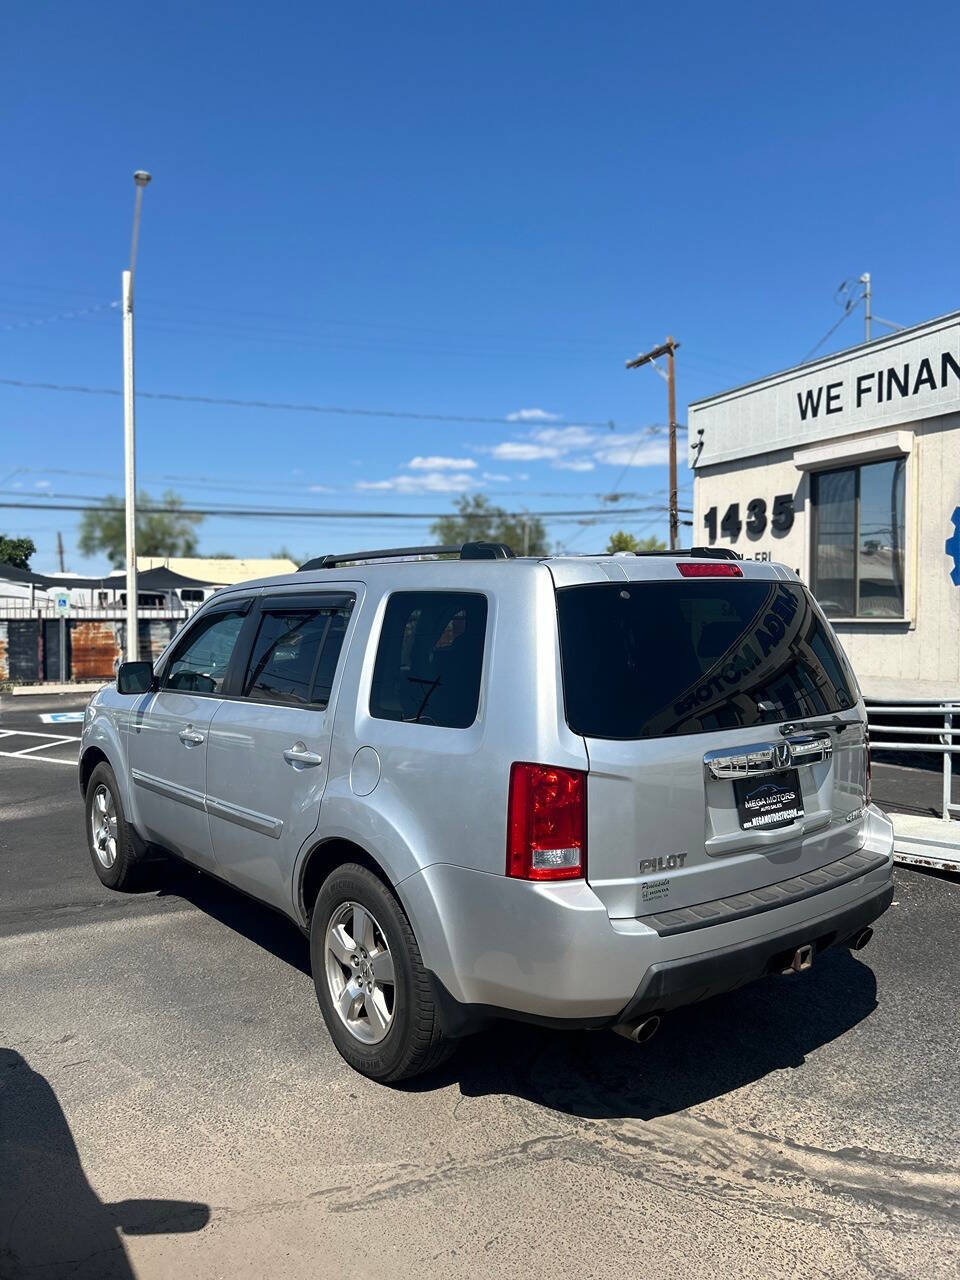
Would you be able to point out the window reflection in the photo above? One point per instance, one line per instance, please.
(858, 532)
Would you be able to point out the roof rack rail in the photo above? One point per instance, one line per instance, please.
(698, 553)
(465, 551)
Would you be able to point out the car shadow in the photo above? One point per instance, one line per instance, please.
(267, 928)
(701, 1052)
(52, 1222)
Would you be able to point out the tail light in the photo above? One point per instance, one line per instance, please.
(546, 823)
(867, 748)
(697, 569)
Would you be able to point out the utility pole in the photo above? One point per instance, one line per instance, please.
(141, 178)
(667, 349)
(60, 551)
(865, 281)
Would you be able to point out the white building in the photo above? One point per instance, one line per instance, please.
(847, 469)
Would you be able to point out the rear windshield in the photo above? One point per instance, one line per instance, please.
(656, 659)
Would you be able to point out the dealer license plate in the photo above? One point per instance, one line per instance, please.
(770, 802)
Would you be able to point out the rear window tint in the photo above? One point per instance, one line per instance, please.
(657, 659)
(430, 658)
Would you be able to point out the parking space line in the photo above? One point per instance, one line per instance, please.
(34, 733)
(43, 746)
(16, 755)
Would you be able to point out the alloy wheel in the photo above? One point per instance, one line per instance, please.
(360, 973)
(103, 825)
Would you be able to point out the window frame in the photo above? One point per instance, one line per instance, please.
(293, 603)
(484, 596)
(241, 604)
(857, 468)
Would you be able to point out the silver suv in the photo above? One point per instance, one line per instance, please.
(578, 790)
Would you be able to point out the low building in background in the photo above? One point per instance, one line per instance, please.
(85, 639)
(222, 570)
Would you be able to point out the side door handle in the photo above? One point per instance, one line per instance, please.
(298, 755)
(189, 736)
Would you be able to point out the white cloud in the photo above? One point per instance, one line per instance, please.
(496, 477)
(574, 464)
(43, 484)
(635, 453)
(425, 482)
(532, 415)
(436, 463)
(568, 437)
(518, 451)
(320, 488)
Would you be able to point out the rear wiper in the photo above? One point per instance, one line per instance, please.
(426, 697)
(836, 723)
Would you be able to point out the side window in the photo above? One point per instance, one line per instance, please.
(200, 662)
(430, 658)
(295, 655)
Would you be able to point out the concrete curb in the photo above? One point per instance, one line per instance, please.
(45, 690)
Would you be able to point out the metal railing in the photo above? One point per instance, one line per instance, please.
(904, 737)
(11, 609)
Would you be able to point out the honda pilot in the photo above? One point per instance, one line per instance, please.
(576, 790)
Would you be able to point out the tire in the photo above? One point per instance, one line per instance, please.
(398, 1035)
(115, 849)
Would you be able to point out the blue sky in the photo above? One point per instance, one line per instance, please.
(463, 210)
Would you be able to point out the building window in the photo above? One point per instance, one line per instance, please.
(858, 540)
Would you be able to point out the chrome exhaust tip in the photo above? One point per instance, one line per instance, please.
(801, 960)
(641, 1031)
(861, 939)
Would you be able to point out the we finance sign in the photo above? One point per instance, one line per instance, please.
(896, 380)
(890, 379)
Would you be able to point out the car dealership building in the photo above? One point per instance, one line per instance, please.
(847, 469)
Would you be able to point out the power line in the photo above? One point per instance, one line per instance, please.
(60, 315)
(314, 513)
(291, 407)
(238, 486)
(833, 328)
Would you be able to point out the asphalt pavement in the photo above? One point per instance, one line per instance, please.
(171, 1105)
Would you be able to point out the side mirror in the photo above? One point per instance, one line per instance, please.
(135, 677)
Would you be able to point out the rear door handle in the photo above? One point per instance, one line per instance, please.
(189, 736)
(299, 755)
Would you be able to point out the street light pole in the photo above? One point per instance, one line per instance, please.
(129, 428)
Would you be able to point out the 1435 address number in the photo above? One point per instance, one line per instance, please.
(781, 518)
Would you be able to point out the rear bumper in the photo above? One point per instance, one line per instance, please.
(672, 983)
(549, 953)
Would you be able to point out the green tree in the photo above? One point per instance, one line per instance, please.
(623, 541)
(478, 520)
(163, 529)
(16, 551)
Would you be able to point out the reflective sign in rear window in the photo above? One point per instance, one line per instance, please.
(656, 659)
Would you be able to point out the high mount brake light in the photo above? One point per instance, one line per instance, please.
(546, 823)
(699, 569)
